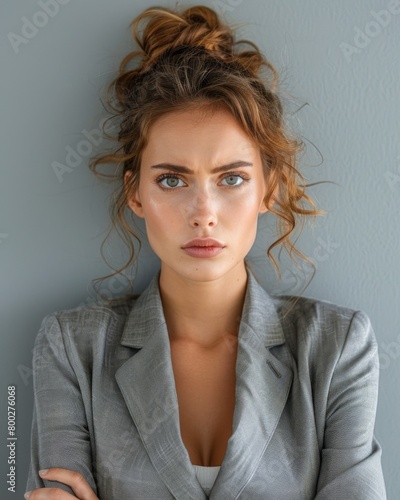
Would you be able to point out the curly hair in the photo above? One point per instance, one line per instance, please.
(189, 59)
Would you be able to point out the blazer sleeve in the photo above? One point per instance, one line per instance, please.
(351, 455)
(59, 436)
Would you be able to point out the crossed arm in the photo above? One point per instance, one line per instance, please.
(75, 480)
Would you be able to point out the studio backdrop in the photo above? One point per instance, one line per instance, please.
(339, 72)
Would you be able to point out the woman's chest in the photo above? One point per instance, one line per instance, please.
(205, 384)
(141, 406)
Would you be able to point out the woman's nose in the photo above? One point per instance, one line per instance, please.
(202, 210)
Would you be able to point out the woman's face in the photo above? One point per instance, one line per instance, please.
(197, 195)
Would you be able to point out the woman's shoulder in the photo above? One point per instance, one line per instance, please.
(97, 311)
(303, 317)
(312, 309)
(86, 323)
(320, 327)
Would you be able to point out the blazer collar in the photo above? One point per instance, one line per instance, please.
(259, 313)
(263, 382)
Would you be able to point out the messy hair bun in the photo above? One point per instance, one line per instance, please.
(197, 26)
(188, 59)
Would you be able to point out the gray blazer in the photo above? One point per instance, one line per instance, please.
(303, 426)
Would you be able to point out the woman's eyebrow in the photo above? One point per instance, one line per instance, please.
(184, 170)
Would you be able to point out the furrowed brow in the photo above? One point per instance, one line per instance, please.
(181, 169)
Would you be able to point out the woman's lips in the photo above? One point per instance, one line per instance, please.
(203, 247)
(203, 252)
(203, 242)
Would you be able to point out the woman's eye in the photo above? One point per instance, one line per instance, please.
(233, 180)
(170, 182)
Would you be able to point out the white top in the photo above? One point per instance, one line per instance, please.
(206, 476)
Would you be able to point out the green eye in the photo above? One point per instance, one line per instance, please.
(232, 180)
(170, 181)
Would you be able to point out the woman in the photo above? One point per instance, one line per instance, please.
(205, 385)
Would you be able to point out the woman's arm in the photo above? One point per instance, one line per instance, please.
(60, 435)
(351, 456)
(82, 491)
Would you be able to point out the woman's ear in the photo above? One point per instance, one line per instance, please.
(264, 208)
(133, 197)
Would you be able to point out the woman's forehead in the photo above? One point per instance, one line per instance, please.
(194, 128)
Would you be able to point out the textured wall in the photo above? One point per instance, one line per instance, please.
(339, 63)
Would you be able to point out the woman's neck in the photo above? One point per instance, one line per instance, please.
(202, 312)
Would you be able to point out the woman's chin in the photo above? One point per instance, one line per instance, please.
(204, 271)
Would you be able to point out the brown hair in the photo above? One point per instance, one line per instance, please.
(189, 58)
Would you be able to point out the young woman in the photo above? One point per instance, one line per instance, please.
(205, 385)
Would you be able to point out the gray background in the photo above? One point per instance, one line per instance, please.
(339, 63)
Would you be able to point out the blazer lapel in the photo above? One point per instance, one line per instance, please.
(148, 386)
(262, 388)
